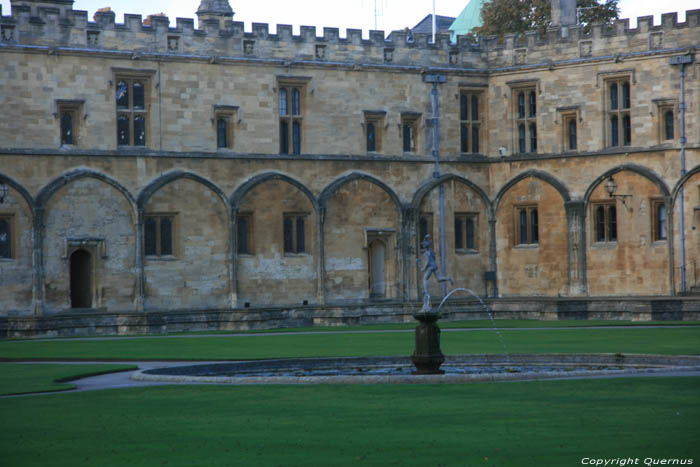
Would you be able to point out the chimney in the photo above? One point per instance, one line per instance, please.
(219, 10)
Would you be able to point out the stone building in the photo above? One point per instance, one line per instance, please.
(161, 176)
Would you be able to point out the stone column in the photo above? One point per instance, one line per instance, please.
(407, 252)
(576, 227)
(140, 273)
(670, 229)
(233, 256)
(321, 257)
(38, 262)
(493, 250)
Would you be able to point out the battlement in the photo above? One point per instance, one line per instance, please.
(56, 24)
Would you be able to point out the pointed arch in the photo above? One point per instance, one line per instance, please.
(149, 190)
(334, 186)
(681, 183)
(638, 169)
(544, 176)
(19, 189)
(242, 190)
(427, 186)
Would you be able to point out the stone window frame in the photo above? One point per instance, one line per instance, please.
(531, 241)
(410, 121)
(425, 218)
(376, 118)
(295, 249)
(174, 235)
(659, 226)
(463, 219)
(525, 139)
(247, 216)
(72, 108)
(229, 114)
(664, 106)
(618, 110)
(471, 125)
(609, 236)
(9, 217)
(145, 77)
(568, 115)
(93, 38)
(291, 115)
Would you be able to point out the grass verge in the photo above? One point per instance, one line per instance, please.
(504, 424)
(20, 378)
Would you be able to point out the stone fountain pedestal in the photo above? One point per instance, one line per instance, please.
(427, 357)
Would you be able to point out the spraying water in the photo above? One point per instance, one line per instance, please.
(493, 321)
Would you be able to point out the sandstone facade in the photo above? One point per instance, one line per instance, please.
(324, 222)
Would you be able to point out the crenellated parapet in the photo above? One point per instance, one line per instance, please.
(56, 25)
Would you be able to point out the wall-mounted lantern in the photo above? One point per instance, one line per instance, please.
(611, 188)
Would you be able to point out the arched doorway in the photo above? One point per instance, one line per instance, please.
(80, 279)
(377, 282)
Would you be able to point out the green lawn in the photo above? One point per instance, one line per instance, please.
(20, 378)
(506, 424)
(676, 340)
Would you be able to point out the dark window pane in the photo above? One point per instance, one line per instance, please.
(139, 130)
(459, 233)
(612, 223)
(534, 229)
(123, 130)
(600, 224)
(296, 137)
(301, 241)
(288, 235)
(139, 97)
(464, 138)
(371, 142)
(521, 105)
(470, 233)
(66, 128)
(5, 239)
(295, 102)
(533, 138)
(475, 139)
(614, 131)
(613, 96)
(221, 136)
(122, 95)
(668, 120)
(422, 228)
(475, 108)
(627, 130)
(661, 221)
(150, 233)
(166, 236)
(407, 138)
(523, 226)
(243, 235)
(572, 134)
(626, 95)
(464, 107)
(283, 101)
(533, 104)
(521, 138)
(284, 137)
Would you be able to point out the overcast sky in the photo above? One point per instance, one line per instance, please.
(343, 14)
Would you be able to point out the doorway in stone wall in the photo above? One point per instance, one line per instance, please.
(377, 280)
(81, 279)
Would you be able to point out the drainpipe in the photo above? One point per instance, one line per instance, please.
(435, 80)
(682, 60)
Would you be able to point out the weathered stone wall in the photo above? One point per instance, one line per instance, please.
(268, 275)
(84, 210)
(16, 272)
(196, 275)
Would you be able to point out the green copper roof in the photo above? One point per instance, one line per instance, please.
(469, 18)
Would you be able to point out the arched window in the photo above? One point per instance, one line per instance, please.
(572, 133)
(668, 125)
(221, 136)
(371, 138)
(521, 105)
(521, 138)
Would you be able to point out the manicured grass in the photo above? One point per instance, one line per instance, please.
(681, 340)
(505, 424)
(20, 378)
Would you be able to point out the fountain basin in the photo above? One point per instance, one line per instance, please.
(458, 369)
